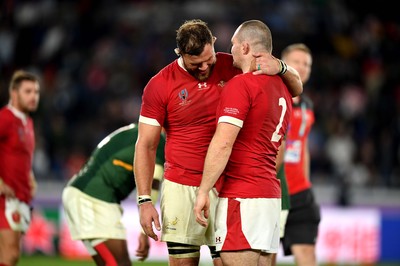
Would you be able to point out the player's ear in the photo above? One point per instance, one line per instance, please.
(245, 47)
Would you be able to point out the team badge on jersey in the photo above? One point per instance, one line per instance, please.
(16, 216)
(184, 95)
(221, 83)
(171, 225)
(21, 134)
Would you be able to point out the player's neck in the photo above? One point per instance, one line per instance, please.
(17, 111)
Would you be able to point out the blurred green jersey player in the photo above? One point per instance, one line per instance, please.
(92, 198)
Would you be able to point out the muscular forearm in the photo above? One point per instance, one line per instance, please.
(143, 169)
(292, 81)
(145, 157)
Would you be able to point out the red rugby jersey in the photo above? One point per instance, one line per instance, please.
(261, 106)
(186, 108)
(17, 143)
(300, 125)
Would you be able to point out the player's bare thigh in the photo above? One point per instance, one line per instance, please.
(240, 258)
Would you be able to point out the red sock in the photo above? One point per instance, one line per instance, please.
(2, 264)
(105, 253)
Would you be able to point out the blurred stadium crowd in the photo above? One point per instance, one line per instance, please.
(95, 57)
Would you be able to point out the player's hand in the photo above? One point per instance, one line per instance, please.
(6, 190)
(142, 252)
(265, 63)
(202, 206)
(148, 216)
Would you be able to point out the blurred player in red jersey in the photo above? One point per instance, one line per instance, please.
(183, 98)
(17, 182)
(304, 215)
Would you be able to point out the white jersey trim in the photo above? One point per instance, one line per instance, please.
(231, 120)
(149, 121)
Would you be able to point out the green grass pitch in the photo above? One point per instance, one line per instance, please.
(41, 260)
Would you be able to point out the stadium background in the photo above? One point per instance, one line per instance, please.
(95, 57)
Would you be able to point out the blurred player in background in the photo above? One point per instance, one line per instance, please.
(17, 181)
(92, 198)
(304, 215)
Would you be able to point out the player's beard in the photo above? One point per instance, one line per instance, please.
(29, 106)
(201, 75)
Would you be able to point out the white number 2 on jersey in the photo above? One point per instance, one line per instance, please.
(275, 136)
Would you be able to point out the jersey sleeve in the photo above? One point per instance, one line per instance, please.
(153, 109)
(234, 102)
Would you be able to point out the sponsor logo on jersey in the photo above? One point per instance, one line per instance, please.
(203, 86)
(21, 134)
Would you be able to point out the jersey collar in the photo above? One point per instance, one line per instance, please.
(18, 113)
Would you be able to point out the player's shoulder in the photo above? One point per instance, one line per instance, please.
(5, 113)
(166, 71)
(4, 109)
(239, 79)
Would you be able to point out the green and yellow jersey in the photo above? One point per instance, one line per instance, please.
(108, 174)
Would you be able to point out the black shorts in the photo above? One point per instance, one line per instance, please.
(302, 222)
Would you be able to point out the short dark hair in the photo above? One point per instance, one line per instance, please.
(192, 36)
(258, 33)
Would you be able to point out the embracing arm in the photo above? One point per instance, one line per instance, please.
(292, 81)
(266, 63)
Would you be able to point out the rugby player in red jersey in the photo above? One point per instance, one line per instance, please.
(252, 115)
(301, 227)
(17, 182)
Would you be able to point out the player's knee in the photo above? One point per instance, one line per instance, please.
(179, 251)
(11, 256)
